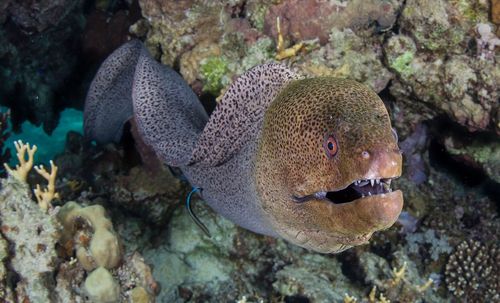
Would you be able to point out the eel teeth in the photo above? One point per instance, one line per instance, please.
(372, 182)
(362, 183)
(320, 195)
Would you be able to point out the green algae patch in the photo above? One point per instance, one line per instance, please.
(402, 63)
(213, 71)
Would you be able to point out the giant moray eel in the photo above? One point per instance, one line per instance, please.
(307, 160)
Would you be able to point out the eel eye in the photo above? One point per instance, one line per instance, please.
(331, 146)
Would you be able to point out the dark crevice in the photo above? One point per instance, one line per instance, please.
(296, 299)
(351, 268)
(467, 172)
(442, 160)
(12, 278)
(209, 103)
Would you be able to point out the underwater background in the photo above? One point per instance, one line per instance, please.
(117, 229)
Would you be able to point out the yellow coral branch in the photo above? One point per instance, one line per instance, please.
(349, 299)
(45, 196)
(283, 53)
(23, 168)
(382, 299)
(399, 274)
(426, 285)
(372, 296)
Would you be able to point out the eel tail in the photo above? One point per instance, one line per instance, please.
(131, 84)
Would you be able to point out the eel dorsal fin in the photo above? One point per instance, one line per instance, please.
(238, 116)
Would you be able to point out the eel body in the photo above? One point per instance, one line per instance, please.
(307, 160)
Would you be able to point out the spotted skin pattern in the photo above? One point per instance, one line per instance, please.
(169, 116)
(292, 162)
(239, 114)
(111, 92)
(224, 163)
(262, 146)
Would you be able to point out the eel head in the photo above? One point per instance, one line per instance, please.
(325, 163)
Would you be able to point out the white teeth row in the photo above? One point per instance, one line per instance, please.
(360, 183)
(369, 193)
(371, 181)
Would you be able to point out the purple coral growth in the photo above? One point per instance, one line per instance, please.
(408, 223)
(486, 42)
(412, 147)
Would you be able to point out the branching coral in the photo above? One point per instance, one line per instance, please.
(472, 272)
(45, 196)
(281, 51)
(41, 250)
(23, 168)
(20, 173)
(403, 284)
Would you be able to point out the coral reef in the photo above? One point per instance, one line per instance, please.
(38, 243)
(348, 54)
(477, 153)
(434, 64)
(314, 19)
(91, 234)
(22, 169)
(32, 247)
(153, 196)
(48, 50)
(428, 240)
(213, 71)
(313, 277)
(38, 16)
(45, 196)
(234, 45)
(472, 272)
(443, 73)
(194, 262)
(100, 286)
(395, 47)
(446, 75)
(38, 53)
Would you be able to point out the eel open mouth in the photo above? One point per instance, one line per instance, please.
(356, 190)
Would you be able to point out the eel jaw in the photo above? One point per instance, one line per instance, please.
(357, 210)
(354, 191)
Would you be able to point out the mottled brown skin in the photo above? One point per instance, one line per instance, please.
(292, 162)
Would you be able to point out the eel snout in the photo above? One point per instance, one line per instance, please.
(362, 205)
